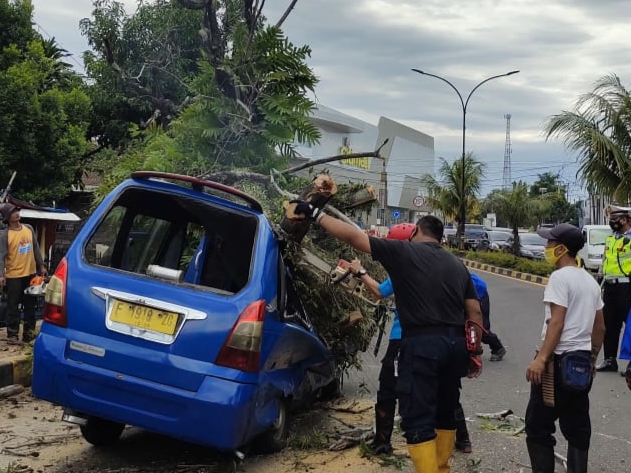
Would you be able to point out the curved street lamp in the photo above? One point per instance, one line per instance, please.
(462, 214)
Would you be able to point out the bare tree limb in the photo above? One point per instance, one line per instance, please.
(339, 157)
(291, 6)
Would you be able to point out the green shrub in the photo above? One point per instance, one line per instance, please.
(509, 261)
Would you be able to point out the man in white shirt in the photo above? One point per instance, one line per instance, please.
(572, 336)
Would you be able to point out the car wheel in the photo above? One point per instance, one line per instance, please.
(275, 439)
(101, 432)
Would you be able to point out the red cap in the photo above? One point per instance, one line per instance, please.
(401, 231)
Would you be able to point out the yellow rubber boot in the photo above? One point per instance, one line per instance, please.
(445, 442)
(423, 456)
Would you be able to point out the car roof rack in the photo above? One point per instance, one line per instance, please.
(200, 184)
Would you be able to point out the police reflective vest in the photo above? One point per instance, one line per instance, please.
(617, 257)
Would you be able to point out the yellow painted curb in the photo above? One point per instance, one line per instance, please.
(511, 273)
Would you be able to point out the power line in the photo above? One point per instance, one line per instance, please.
(70, 55)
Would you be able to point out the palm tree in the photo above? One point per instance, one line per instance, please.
(62, 73)
(599, 128)
(515, 205)
(445, 192)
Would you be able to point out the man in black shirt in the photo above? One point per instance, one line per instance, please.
(433, 291)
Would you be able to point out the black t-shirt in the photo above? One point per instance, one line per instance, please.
(430, 284)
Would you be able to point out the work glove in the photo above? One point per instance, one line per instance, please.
(305, 208)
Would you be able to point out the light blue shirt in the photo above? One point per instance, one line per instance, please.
(386, 290)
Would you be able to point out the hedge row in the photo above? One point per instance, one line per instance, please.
(509, 261)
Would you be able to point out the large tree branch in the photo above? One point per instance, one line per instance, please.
(370, 154)
(291, 6)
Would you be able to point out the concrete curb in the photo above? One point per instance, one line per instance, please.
(15, 370)
(511, 273)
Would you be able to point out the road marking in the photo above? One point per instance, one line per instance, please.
(611, 437)
(509, 277)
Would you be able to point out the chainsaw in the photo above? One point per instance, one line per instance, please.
(341, 275)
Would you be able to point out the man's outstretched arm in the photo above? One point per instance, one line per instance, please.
(341, 230)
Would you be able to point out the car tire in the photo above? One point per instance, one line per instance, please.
(101, 432)
(275, 439)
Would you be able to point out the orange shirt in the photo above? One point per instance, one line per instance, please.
(20, 259)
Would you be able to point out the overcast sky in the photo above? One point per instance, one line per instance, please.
(363, 51)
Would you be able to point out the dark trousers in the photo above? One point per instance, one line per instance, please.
(15, 295)
(617, 299)
(386, 393)
(489, 338)
(430, 368)
(571, 409)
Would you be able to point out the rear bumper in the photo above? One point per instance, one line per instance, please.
(220, 414)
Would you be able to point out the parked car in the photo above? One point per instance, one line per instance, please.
(447, 233)
(592, 253)
(173, 311)
(494, 241)
(532, 246)
(473, 235)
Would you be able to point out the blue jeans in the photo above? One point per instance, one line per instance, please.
(430, 369)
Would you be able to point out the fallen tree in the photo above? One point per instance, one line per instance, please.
(344, 319)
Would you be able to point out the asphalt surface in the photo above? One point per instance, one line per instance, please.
(517, 318)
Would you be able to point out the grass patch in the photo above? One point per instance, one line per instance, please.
(399, 462)
(312, 440)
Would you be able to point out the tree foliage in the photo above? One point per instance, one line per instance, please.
(599, 129)
(515, 206)
(229, 90)
(43, 113)
(445, 191)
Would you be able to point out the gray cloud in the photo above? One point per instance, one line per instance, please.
(363, 52)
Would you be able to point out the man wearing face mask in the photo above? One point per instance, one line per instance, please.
(572, 335)
(616, 286)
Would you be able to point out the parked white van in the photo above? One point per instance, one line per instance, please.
(592, 253)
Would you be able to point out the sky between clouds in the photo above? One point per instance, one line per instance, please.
(363, 51)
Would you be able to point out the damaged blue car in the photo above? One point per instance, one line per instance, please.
(173, 311)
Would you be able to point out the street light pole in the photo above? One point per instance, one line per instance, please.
(462, 214)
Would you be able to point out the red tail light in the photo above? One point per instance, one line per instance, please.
(242, 349)
(55, 296)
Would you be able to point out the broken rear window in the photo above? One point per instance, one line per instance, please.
(177, 238)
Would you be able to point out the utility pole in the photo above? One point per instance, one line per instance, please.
(383, 195)
(506, 182)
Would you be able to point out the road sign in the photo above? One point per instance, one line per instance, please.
(396, 214)
(418, 201)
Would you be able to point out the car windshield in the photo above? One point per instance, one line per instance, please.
(597, 236)
(499, 236)
(532, 239)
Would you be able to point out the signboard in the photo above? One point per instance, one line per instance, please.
(418, 201)
(396, 214)
(361, 163)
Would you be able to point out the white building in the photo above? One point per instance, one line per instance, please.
(409, 154)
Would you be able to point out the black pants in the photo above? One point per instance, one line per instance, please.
(15, 295)
(571, 409)
(489, 338)
(430, 369)
(617, 299)
(386, 393)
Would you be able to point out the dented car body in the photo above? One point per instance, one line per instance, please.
(173, 311)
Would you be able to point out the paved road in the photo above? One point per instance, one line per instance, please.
(517, 317)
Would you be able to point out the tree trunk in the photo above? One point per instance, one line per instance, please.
(317, 193)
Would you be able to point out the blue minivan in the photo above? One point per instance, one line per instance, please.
(173, 311)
